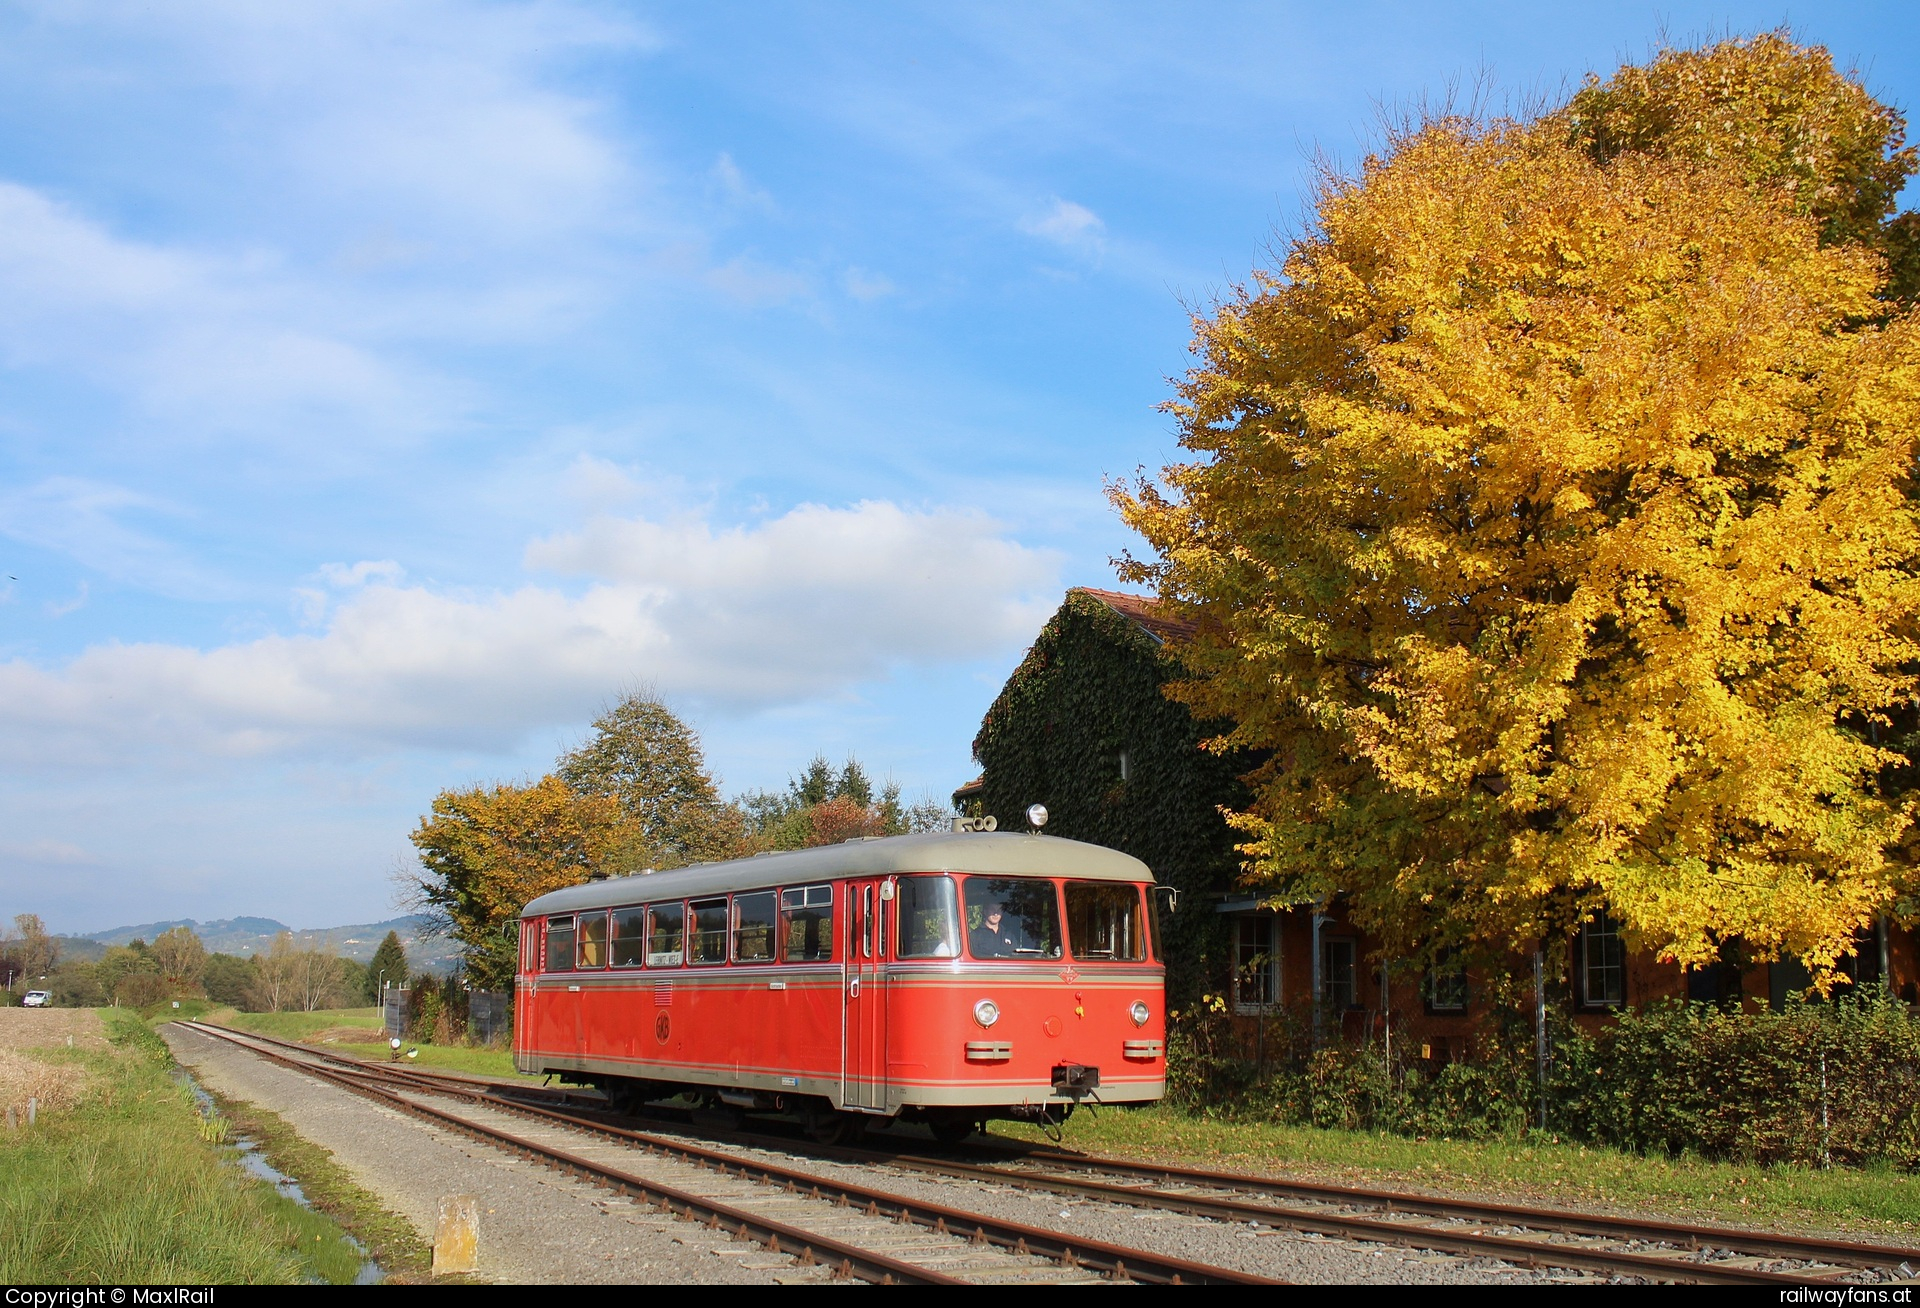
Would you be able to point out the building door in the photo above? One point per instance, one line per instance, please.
(864, 1028)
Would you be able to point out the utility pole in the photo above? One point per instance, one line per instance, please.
(1540, 1029)
(1319, 979)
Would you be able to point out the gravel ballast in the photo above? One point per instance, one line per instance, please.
(536, 1226)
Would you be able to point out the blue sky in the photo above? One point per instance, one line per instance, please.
(385, 386)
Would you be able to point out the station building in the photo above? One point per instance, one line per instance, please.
(1083, 727)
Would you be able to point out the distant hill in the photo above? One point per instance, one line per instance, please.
(254, 935)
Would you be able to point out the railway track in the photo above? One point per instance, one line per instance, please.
(1524, 1235)
(856, 1230)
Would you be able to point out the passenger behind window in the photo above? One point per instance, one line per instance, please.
(1012, 917)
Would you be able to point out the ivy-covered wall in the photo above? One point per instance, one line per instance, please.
(1087, 692)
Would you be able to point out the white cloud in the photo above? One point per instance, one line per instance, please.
(1066, 224)
(340, 576)
(753, 283)
(59, 853)
(808, 604)
(82, 519)
(224, 343)
(734, 186)
(74, 605)
(864, 286)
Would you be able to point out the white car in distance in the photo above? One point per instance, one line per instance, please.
(38, 999)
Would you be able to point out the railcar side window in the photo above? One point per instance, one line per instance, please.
(1012, 917)
(1103, 920)
(753, 927)
(806, 924)
(629, 937)
(709, 931)
(591, 936)
(666, 935)
(929, 918)
(560, 944)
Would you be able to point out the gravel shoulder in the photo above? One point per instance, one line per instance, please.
(536, 1227)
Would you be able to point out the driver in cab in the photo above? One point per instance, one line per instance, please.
(992, 938)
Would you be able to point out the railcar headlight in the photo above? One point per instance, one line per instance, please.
(1140, 1012)
(986, 1012)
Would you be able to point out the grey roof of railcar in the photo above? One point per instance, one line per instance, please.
(1001, 852)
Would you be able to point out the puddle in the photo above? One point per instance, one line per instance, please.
(247, 1154)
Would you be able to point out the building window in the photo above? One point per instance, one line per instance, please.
(1256, 959)
(1337, 990)
(1603, 963)
(1447, 985)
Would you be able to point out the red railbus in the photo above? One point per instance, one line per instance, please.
(948, 978)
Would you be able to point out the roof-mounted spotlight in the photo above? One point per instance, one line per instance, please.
(1036, 816)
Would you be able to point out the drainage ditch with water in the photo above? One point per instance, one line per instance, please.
(248, 1155)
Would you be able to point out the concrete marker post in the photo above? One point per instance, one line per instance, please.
(456, 1235)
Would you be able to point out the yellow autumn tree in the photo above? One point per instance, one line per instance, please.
(1548, 532)
(486, 850)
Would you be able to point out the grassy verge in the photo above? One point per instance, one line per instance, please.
(451, 1058)
(388, 1237)
(1881, 1204)
(131, 1186)
(304, 1026)
(295, 1026)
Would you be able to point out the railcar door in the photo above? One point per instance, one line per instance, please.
(864, 1030)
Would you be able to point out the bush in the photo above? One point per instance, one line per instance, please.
(1816, 1085)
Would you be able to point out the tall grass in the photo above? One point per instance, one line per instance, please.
(129, 1187)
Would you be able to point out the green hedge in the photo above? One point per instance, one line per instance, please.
(1817, 1084)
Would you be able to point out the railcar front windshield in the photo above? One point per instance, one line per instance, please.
(1012, 917)
(1103, 920)
(929, 918)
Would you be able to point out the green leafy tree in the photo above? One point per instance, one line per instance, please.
(30, 951)
(649, 762)
(181, 959)
(229, 979)
(389, 966)
(822, 806)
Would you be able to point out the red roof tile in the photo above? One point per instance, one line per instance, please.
(1143, 610)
